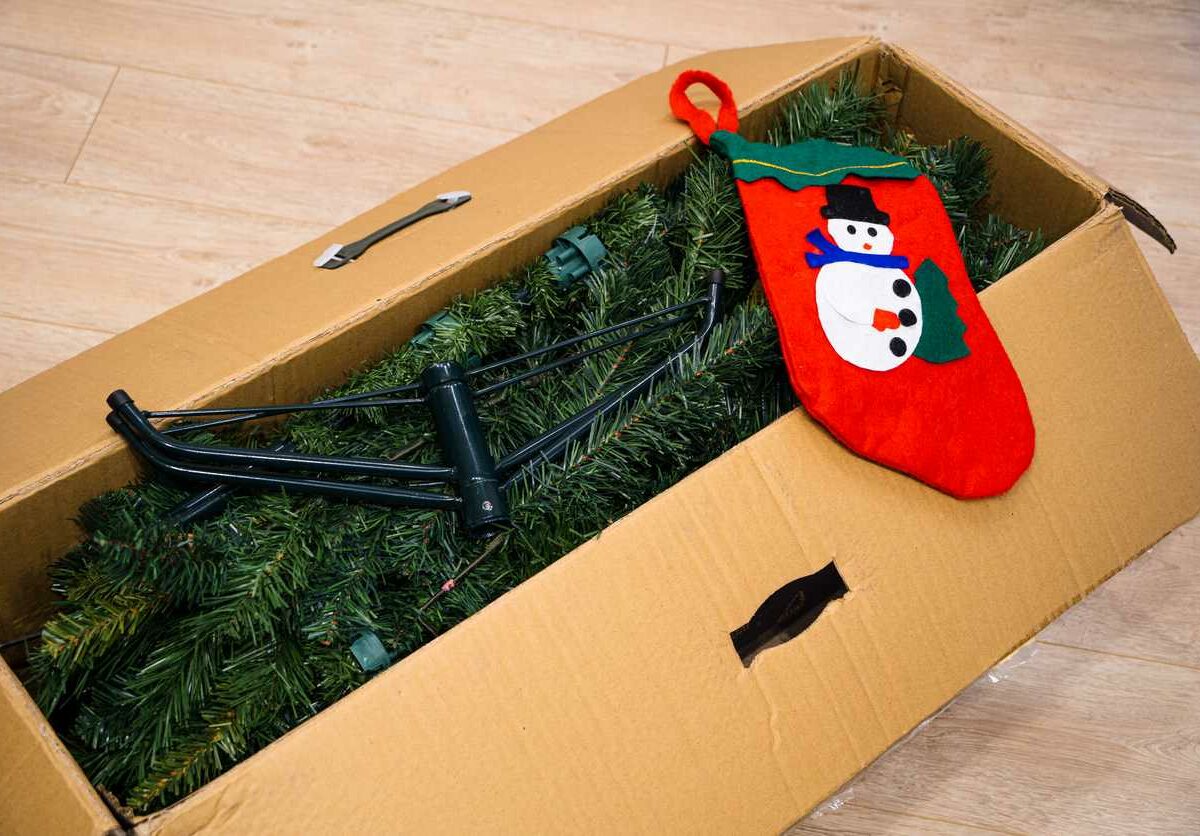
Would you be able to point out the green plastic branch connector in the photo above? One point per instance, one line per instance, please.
(443, 320)
(370, 653)
(575, 254)
(440, 320)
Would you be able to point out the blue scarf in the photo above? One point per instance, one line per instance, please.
(831, 252)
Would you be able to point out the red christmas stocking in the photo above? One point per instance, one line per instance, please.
(885, 341)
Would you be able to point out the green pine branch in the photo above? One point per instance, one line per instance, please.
(992, 248)
(958, 170)
(844, 111)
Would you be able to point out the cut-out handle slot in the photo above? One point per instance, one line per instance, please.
(787, 612)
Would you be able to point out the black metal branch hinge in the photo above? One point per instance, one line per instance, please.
(478, 480)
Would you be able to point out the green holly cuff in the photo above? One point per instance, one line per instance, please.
(815, 162)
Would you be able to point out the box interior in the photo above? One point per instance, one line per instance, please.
(217, 349)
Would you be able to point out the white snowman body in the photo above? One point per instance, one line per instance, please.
(849, 295)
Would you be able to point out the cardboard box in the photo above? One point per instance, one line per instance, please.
(605, 693)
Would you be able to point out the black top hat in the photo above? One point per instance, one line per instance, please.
(852, 203)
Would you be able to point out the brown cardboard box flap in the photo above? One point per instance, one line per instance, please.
(604, 694)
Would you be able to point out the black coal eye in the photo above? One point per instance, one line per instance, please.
(852, 230)
(872, 231)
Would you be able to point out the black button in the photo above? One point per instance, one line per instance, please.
(901, 288)
(907, 317)
(897, 346)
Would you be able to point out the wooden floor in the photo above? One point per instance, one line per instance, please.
(150, 150)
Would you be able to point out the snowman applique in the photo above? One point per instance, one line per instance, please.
(867, 305)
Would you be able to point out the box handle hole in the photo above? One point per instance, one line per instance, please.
(787, 612)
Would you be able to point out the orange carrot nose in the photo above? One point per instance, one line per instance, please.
(866, 246)
(883, 320)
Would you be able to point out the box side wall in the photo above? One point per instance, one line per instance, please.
(41, 789)
(1036, 187)
(604, 695)
(285, 330)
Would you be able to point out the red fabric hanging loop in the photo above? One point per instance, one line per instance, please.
(702, 123)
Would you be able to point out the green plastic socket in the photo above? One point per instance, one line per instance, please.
(575, 254)
(370, 653)
(439, 321)
(443, 320)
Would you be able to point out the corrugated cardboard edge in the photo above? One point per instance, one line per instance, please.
(1141, 217)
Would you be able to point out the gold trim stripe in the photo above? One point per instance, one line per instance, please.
(819, 173)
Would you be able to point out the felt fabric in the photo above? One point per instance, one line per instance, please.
(701, 123)
(817, 162)
(942, 338)
(904, 369)
(883, 320)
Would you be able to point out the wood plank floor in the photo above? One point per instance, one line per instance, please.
(150, 150)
